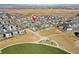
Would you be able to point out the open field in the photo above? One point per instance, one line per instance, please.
(32, 49)
(60, 12)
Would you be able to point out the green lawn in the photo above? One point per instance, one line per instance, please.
(28, 48)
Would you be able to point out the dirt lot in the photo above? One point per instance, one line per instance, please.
(66, 40)
(27, 37)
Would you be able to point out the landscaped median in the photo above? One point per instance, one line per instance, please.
(31, 48)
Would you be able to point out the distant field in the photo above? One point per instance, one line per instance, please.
(28, 48)
(61, 12)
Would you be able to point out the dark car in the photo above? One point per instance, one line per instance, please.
(76, 34)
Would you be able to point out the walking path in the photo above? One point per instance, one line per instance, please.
(41, 37)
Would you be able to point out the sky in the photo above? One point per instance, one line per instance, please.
(39, 4)
(39, 1)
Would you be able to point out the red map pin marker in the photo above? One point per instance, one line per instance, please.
(34, 17)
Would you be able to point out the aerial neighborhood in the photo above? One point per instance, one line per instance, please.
(12, 24)
(39, 29)
(8, 26)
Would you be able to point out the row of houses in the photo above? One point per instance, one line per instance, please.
(9, 15)
(9, 34)
(7, 27)
(71, 24)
